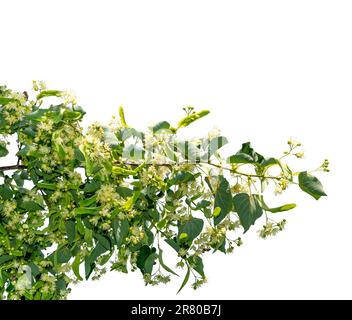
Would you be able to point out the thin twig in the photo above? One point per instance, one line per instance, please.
(13, 167)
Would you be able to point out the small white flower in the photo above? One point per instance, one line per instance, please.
(214, 133)
(46, 125)
(69, 97)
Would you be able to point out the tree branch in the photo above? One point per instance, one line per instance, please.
(18, 166)
(14, 167)
(205, 163)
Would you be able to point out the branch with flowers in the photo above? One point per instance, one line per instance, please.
(80, 202)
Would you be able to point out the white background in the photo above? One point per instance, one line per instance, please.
(267, 70)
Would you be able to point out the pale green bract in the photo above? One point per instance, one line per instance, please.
(78, 203)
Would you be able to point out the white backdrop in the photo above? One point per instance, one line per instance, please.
(267, 70)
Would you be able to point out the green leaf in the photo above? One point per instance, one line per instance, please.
(19, 178)
(48, 186)
(49, 93)
(162, 223)
(191, 118)
(122, 117)
(124, 192)
(6, 258)
(182, 177)
(71, 115)
(34, 269)
(164, 265)
(70, 230)
(311, 185)
(61, 284)
(2, 125)
(123, 171)
(88, 202)
(3, 150)
(207, 181)
(120, 230)
(245, 155)
(192, 228)
(30, 206)
(173, 244)
(92, 186)
(4, 100)
(63, 255)
(97, 252)
(79, 156)
(5, 192)
(154, 214)
(201, 205)
(37, 115)
(144, 260)
(132, 200)
(90, 260)
(80, 227)
(163, 125)
(75, 267)
(240, 158)
(105, 258)
(223, 200)
(88, 235)
(270, 162)
(220, 246)
(248, 209)
(185, 280)
(104, 241)
(89, 211)
(285, 207)
(248, 155)
(149, 263)
(282, 208)
(55, 114)
(197, 264)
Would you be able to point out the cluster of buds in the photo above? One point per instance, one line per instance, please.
(281, 185)
(271, 229)
(325, 166)
(293, 145)
(198, 283)
(155, 280)
(136, 235)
